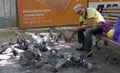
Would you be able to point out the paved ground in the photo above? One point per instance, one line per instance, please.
(12, 66)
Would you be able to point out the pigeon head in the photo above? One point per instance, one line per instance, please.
(53, 51)
(70, 57)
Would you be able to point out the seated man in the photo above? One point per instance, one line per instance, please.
(88, 22)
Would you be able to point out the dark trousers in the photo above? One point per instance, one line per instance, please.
(86, 38)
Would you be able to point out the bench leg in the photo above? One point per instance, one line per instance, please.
(105, 43)
(96, 44)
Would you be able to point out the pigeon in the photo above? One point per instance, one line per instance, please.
(64, 36)
(90, 66)
(51, 33)
(78, 60)
(20, 40)
(33, 53)
(4, 46)
(112, 59)
(46, 37)
(61, 37)
(22, 43)
(60, 63)
(23, 61)
(39, 64)
(37, 38)
(30, 57)
(52, 57)
(41, 46)
(15, 53)
(38, 54)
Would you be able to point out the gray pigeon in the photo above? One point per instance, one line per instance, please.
(52, 57)
(112, 59)
(4, 46)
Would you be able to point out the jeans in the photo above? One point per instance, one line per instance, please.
(86, 39)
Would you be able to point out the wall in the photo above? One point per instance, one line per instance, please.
(8, 16)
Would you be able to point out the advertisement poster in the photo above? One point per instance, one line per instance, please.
(43, 13)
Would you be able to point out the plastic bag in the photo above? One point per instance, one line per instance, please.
(117, 30)
(110, 33)
(106, 26)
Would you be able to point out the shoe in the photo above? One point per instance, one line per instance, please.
(90, 55)
(80, 49)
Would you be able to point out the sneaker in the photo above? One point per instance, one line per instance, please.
(80, 49)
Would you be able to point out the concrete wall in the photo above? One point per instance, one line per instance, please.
(8, 13)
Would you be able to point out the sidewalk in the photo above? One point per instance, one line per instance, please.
(12, 66)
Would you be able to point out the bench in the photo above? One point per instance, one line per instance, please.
(110, 15)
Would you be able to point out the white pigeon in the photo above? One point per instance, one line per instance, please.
(46, 37)
(37, 38)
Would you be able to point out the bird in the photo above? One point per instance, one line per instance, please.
(22, 43)
(62, 37)
(37, 38)
(90, 66)
(20, 40)
(23, 61)
(46, 37)
(39, 64)
(111, 59)
(53, 51)
(38, 54)
(60, 63)
(52, 57)
(79, 59)
(15, 52)
(4, 46)
(51, 34)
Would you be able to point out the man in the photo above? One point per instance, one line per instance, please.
(89, 20)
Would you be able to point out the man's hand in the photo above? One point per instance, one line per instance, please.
(70, 36)
(75, 29)
(69, 39)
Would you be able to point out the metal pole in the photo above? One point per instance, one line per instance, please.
(87, 3)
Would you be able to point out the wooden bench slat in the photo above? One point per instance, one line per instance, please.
(108, 40)
(111, 11)
(112, 8)
(110, 15)
(114, 22)
(115, 15)
(111, 18)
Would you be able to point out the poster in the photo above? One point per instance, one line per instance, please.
(44, 13)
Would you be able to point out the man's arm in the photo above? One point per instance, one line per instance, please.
(75, 30)
(89, 25)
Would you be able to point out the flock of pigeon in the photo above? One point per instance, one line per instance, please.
(31, 52)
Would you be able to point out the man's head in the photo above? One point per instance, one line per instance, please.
(79, 9)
